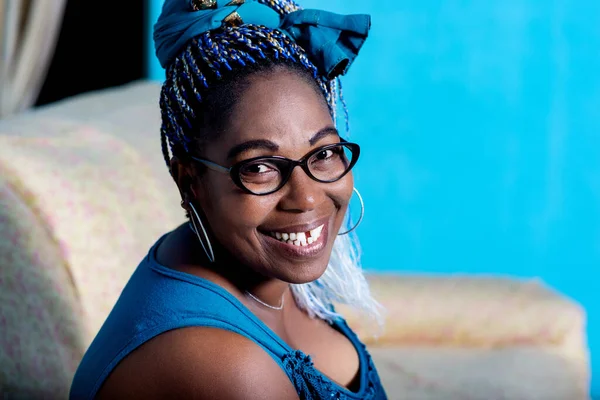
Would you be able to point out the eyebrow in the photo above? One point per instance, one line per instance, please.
(330, 130)
(271, 146)
(252, 144)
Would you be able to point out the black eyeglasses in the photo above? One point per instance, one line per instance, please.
(265, 175)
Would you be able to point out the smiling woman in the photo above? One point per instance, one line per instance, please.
(238, 304)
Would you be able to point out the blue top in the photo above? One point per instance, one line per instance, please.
(158, 299)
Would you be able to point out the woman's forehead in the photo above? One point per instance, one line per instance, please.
(280, 107)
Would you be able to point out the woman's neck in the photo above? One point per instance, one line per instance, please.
(181, 251)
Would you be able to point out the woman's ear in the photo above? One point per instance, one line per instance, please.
(183, 173)
(174, 168)
(180, 174)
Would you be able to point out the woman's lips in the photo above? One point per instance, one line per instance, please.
(298, 250)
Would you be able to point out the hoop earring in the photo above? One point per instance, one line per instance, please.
(362, 213)
(209, 252)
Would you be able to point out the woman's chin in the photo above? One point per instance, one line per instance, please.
(301, 274)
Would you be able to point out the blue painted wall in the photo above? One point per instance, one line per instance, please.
(480, 124)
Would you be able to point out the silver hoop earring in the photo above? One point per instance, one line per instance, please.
(206, 247)
(362, 213)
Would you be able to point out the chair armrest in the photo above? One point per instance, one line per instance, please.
(41, 341)
(474, 311)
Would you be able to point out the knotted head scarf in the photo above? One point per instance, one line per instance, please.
(331, 41)
(199, 41)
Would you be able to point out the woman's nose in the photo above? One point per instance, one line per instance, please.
(301, 193)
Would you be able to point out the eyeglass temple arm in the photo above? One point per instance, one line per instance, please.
(212, 165)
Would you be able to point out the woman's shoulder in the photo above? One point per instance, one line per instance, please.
(199, 362)
(157, 304)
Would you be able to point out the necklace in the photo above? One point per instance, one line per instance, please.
(253, 297)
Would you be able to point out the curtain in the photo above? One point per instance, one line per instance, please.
(29, 31)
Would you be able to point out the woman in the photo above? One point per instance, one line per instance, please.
(237, 304)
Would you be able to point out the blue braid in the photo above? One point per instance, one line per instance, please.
(200, 46)
(175, 106)
(190, 62)
(170, 129)
(344, 107)
(189, 111)
(180, 96)
(165, 132)
(194, 54)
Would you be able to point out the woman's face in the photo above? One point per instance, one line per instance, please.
(278, 114)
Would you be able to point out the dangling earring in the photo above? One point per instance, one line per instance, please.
(362, 213)
(206, 247)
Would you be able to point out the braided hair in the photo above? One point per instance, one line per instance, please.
(202, 85)
(204, 80)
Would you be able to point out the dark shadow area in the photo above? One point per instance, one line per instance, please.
(101, 44)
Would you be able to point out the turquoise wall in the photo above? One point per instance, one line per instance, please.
(480, 128)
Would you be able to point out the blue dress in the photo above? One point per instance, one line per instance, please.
(158, 299)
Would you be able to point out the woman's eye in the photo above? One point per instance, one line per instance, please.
(325, 154)
(258, 173)
(258, 168)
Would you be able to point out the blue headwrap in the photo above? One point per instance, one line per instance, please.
(331, 41)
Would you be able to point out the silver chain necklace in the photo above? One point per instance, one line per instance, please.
(253, 297)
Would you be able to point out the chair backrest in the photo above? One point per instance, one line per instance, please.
(84, 193)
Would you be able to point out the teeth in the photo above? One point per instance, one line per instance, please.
(315, 233)
(299, 238)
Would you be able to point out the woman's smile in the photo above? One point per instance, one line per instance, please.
(299, 241)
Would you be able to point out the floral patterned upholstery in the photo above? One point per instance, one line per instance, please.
(79, 208)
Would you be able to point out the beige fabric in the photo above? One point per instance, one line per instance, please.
(468, 337)
(100, 202)
(85, 192)
(41, 331)
(475, 311)
(101, 195)
(512, 373)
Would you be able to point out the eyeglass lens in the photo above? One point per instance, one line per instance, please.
(266, 175)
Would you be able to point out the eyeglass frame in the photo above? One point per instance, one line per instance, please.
(234, 170)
